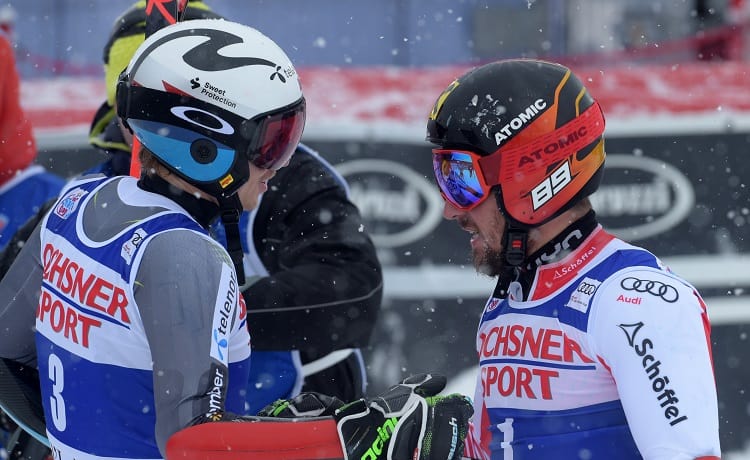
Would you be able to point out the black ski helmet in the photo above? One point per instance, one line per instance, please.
(543, 127)
(129, 31)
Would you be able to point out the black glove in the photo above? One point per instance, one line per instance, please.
(407, 422)
(308, 404)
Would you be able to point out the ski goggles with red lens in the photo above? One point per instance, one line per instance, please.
(267, 140)
(276, 136)
(465, 177)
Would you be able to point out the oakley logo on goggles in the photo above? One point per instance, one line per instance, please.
(267, 140)
(465, 178)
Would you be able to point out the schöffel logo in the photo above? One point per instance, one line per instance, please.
(666, 397)
(656, 288)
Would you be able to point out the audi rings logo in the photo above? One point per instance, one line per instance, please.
(656, 288)
(586, 288)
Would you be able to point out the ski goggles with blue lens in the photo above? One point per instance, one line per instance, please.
(523, 170)
(459, 178)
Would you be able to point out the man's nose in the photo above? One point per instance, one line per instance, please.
(450, 212)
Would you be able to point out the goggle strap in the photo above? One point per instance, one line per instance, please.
(157, 106)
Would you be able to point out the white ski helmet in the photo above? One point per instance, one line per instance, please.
(207, 95)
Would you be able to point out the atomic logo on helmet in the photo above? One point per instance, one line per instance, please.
(548, 129)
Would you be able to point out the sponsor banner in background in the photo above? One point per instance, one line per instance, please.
(401, 205)
(675, 196)
(363, 98)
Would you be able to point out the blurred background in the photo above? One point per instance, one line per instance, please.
(672, 76)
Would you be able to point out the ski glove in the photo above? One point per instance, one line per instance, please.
(308, 404)
(406, 422)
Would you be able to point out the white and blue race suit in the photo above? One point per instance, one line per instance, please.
(140, 325)
(607, 355)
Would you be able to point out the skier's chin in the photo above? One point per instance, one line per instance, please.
(488, 262)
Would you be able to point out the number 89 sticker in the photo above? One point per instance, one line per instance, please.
(551, 186)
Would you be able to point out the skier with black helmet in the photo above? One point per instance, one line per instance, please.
(140, 329)
(589, 347)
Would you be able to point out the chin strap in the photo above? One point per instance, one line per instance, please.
(514, 251)
(230, 211)
(515, 245)
(515, 241)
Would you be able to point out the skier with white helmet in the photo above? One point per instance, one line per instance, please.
(140, 325)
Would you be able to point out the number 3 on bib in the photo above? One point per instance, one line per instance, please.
(57, 403)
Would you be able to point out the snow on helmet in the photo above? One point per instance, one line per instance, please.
(207, 95)
(533, 131)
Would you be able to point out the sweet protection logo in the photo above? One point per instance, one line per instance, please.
(197, 57)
